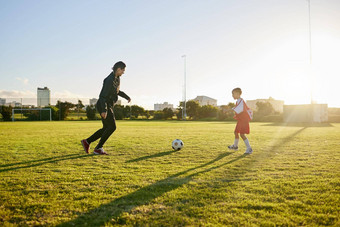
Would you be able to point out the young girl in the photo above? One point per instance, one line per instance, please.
(243, 115)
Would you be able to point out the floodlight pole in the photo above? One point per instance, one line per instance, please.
(184, 111)
(310, 34)
(310, 50)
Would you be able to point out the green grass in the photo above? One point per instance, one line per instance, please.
(291, 179)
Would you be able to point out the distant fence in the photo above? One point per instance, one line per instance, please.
(30, 108)
(35, 102)
(18, 102)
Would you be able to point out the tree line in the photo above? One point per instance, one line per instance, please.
(193, 110)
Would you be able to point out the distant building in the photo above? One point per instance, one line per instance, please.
(315, 113)
(2, 102)
(27, 106)
(13, 104)
(43, 97)
(205, 100)
(93, 101)
(163, 106)
(277, 104)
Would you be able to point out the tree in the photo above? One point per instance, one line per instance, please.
(127, 112)
(119, 112)
(159, 115)
(192, 108)
(207, 111)
(168, 113)
(179, 113)
(137, 110)
(79, 105)
(64, 109)
(226, 112)
(91, 112)
(54, 112)
(148, 113)
(6, 112)
(264, 109)
(181, 109)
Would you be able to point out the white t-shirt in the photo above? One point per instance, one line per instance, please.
(239, 106)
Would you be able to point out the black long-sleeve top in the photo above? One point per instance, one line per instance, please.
(109, 93)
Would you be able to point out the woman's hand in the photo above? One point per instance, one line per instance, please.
(103, 115)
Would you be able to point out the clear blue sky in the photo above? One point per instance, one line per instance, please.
(261, 46)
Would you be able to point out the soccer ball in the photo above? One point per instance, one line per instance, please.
(177, 144)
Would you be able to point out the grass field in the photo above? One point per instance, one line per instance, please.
(291, 179)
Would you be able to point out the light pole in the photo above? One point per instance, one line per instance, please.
(310, 53)
(184, 111)
(310, 34)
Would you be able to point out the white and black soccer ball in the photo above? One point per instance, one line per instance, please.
(177, 144)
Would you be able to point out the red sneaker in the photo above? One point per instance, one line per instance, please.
(86, 145)
(99, 151)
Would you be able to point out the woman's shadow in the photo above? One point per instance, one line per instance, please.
(39, 162)
(113, 210)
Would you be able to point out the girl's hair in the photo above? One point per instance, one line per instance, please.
(238, 90)
(120, 65)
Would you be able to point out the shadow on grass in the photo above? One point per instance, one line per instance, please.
(39, 162)
(268, 153)
(287, 139)
(271, 150)
(111, 212)
(151, 156)
(306, 125)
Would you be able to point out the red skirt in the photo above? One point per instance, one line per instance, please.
(242, 127)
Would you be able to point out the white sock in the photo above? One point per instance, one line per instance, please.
(246, 141)
(236, 142)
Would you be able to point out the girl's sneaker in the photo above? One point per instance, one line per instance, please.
(232, 147)
(249, 151)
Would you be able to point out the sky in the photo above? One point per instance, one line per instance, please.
(261, 46)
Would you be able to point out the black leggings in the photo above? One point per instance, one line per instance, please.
(109, 126)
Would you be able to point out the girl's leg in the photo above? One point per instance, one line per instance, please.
(243, 136)
(237, 138)
(245, 140)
